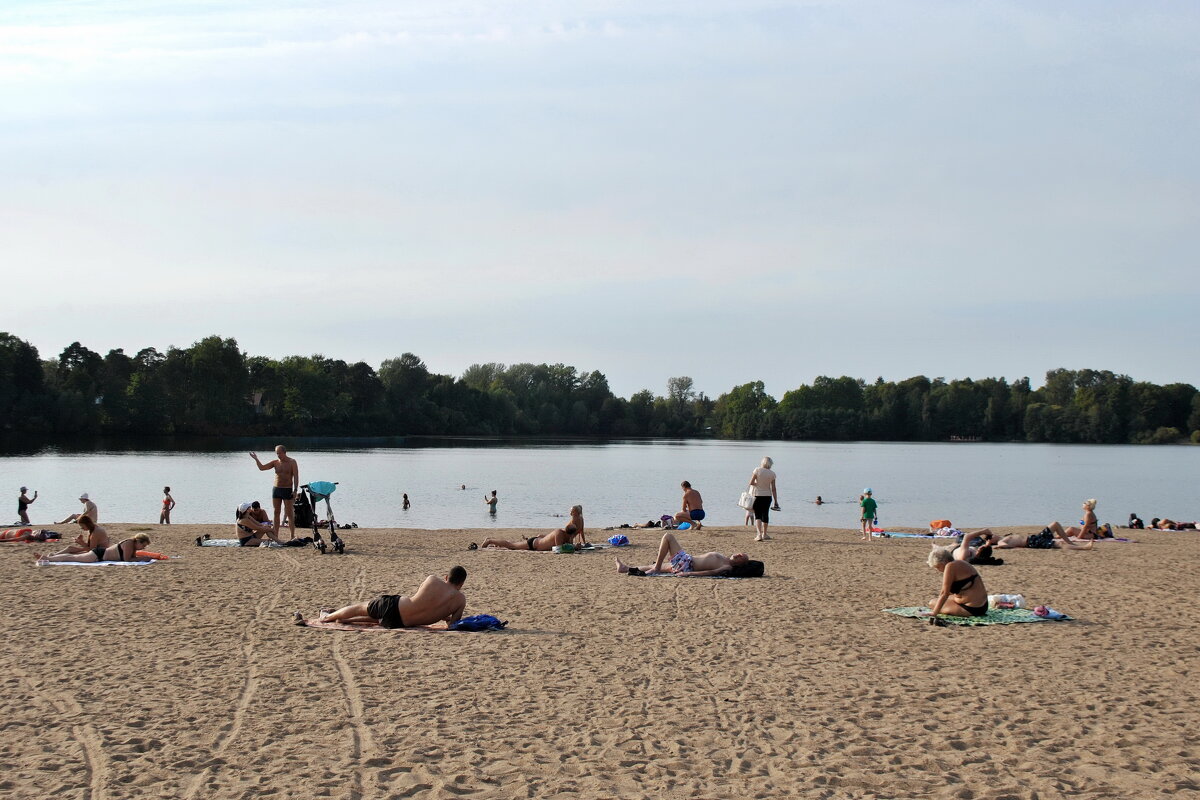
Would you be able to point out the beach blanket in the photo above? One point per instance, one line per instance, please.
(994, 616)
(374, 628)
(100, 563)
(676, 575)
(898, 535)
(220, 543)
(367, 627)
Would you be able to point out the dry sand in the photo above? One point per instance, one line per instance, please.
(188, 680)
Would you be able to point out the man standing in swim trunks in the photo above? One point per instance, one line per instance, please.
(287, 483)
(693, 507)
(438, 600)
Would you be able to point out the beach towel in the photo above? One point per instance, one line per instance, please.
(994, 616)
(897, 535)
(366, 627)
(220, 543)
(675, 575)
(99, 563)
(479, 622)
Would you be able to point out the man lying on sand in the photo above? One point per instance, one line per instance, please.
(1045, 540)
(438, 599)
(688, 566)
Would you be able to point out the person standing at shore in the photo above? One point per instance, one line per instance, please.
(23, 503)
(287, 483)
(491, 502)
(89, 510)
(693, 507)
(869, 513)
(168, 503)
(766, 496)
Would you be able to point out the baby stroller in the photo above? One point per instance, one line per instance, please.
(306, 514)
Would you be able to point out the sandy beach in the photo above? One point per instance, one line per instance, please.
(187, 679)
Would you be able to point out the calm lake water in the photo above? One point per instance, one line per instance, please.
(971, 484)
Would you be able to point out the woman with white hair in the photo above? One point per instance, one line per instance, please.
(963, 594)
(766, 496)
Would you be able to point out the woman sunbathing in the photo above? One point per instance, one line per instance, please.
(28, 535)
(963, 594)
(1171, 525)
(124, 550)
(571, 532)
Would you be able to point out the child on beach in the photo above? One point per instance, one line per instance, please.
(869, 513)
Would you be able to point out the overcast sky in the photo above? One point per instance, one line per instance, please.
(732, 190)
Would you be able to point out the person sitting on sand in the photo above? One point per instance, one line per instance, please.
(963, 594)
(693, 507)
(1135, 523)
(689, 566)
(90, 537)
(571, 532)
(124, 550)
(89, 510)
(437, 599)
(253, 525)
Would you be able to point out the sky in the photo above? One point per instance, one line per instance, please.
(731, 190)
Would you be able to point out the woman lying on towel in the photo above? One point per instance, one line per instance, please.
(963, 594)
(124, 550)
(571, 532)
(27, 535)
(1171, 525)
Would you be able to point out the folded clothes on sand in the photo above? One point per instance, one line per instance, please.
(994, 616)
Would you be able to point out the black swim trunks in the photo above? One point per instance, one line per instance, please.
(530, 541)
(1041, 541)
(282, 493)
(245, 539)
(99, 551)
(386, 609)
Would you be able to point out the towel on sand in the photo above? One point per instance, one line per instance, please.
(994, 616)
(98, 563)
(220, 543)
(368, 627)
(899, 535)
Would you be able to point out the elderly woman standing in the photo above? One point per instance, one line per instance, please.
(766, 497)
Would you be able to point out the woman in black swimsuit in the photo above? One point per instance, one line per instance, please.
(124, 550)
(963, 594)
(572, 531)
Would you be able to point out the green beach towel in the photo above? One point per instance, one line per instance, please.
(994, 616)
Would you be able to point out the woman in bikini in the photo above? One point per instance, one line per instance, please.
(124, 550)
(252, 525)
(164, 516)
(963, 594)
(571, 532)
(90, 537)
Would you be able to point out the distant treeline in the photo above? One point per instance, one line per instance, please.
(213, 388)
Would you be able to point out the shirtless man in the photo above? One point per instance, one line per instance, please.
(287, 483)
(438, 600)
(89, 510)
(91, 537)
(684, 565)
(693, 507)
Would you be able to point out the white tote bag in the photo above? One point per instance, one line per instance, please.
(746, 501)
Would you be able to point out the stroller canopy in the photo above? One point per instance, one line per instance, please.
(322, 488)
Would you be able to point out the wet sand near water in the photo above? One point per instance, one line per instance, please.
(188, 680)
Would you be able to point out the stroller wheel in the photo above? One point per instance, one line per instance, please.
(340, 547)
